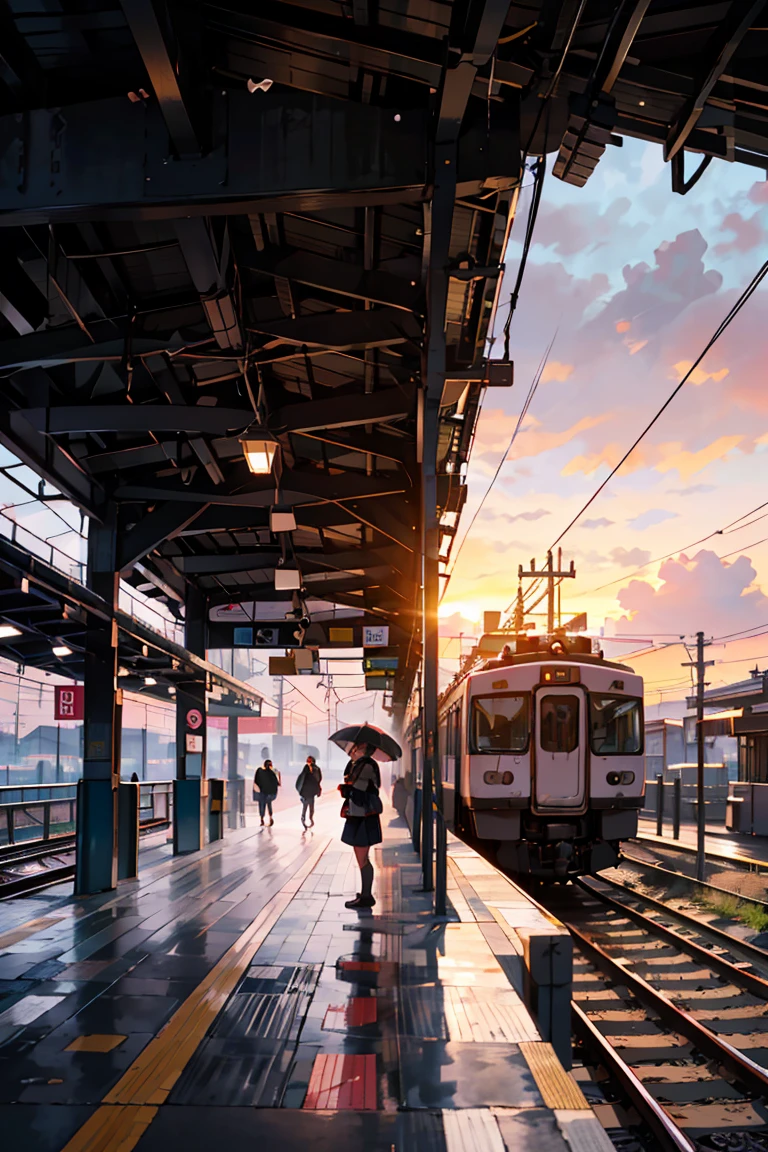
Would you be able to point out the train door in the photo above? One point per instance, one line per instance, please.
(560, 748)
(450, 762)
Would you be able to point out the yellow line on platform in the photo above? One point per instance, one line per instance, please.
(129, 1107)
(557, 1088)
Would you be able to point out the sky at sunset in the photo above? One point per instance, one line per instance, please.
(630, 281)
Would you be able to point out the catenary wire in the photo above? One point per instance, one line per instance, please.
(523, 413)
(745, 296)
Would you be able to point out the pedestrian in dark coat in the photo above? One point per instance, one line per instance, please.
(265, 785)
(309, 788)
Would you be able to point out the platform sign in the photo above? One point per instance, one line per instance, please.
(70, 702)
(375, 636)
(194, 718)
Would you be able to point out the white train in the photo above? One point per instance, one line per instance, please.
(541, 757)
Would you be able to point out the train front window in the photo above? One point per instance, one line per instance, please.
(499, 723)
(559, 723)
(615, 725)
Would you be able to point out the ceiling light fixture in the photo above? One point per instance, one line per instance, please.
(61, 650)
(259, 449)
(8, 630)
(287, 579)
(282, 520)
(171, 690)
(149, 681)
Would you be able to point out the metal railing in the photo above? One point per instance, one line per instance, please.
(35, 814)
(56, 557)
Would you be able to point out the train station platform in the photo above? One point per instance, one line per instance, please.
(229, 997)
(738, 848)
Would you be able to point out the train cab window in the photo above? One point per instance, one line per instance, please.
(559, 723)
(615, 725)
(499, 723)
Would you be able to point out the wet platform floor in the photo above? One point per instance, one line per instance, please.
(230, 997)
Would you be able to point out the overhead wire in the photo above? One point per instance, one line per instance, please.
(727, 530)
(523, 413)
(745, 296)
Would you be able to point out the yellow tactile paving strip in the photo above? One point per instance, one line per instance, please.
(557, 1088)
(129, 1108)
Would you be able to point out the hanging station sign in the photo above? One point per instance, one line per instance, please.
(69, 702)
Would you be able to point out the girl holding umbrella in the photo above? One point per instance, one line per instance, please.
(366, 744)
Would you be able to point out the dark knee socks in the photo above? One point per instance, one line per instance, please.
(366, 877)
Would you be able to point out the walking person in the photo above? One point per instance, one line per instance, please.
(265, 785)
(309, 788)
(362, 826)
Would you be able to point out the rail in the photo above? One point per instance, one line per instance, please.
(36, 814)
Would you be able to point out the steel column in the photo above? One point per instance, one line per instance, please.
(190, 787)
(96, 846)
(437, 289)
(233, 786)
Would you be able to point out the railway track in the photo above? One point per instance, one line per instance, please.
(13, 858)
(675, 1012)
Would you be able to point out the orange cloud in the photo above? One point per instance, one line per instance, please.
(532, 440)
(674, 456)
(609, 455)
(698, 376)
(623, 326)
(554, 370)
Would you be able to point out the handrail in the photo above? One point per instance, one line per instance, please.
(38, 812)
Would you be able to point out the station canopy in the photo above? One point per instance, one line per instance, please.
(220, 242)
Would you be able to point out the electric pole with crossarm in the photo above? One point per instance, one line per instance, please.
(550, 575)
(700, 664)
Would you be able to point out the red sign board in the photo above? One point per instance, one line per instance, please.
(246, 724)
(70, 702)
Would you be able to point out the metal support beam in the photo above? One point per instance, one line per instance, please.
(135, 418)
(163, 71)
(347, 411)
(721, 48)
(264, 157)
(151, 530)
(96, 845)
(343, 331)
(338, 276)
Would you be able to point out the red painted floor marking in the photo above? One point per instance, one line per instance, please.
(357, 1011)
(359, 966)
(342, 1083)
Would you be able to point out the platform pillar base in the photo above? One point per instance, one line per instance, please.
(96, 841)
(188, 834)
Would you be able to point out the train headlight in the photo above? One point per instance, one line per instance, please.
(616, 778)
(498, 778)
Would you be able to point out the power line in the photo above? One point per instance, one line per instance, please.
(727, 530)
(523, 413)
(748, 292)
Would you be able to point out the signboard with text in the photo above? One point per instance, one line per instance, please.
(69, 702)
(375, 636)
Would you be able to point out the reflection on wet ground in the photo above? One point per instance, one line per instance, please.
(231, 995)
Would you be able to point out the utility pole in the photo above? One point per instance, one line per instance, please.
(280, 706)
(700, 664)
(550, 574)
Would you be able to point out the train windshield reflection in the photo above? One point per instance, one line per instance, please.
(616, 725)
(499, 723)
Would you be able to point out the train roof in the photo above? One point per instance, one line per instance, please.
(543, 656)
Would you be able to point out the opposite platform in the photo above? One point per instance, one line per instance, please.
(230, 997)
